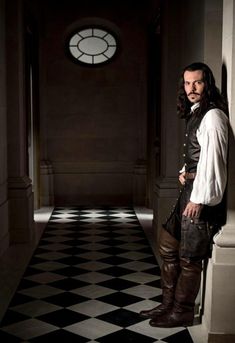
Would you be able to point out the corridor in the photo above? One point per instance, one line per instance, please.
(90, 275)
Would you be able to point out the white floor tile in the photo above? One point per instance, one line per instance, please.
(93, 277)
(143, 291)
(138, 265)
(35, 308)
(46, 277)
(29, 328)
(57, 239)
(93, 308)
(92, 328)
(52, 255)
(142, 305)
(93, 291)
(134, 255)
(159, 333)
(93, 265)
(140, 277)
(132, 246)
(55, 246)
(41, 291)
(49, 266)
(94, 246)
(93, 255)
(93, 239)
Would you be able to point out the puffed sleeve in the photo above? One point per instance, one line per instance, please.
(211, 177)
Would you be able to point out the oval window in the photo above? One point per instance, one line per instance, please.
(92, 45)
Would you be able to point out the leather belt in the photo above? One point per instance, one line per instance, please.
(190, 176)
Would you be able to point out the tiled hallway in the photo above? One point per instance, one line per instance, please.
(90, 275)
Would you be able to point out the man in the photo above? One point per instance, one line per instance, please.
(200, 209)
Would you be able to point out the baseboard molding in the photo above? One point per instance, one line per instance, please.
(221, 338)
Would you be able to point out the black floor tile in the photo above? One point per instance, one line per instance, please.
(118, 284)
(126, 336)
(68, 284)
(62, 318)
(179, 337)
(120, 299)
(62, 336)
(65, 299)
(121, 317)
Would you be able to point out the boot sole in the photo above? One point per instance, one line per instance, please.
(170, 325)
(152, 316)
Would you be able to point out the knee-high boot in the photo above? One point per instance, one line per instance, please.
(169, 275)
(188, 284)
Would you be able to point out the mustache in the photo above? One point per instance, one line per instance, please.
(191, 93)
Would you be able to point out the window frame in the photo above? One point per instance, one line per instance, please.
(92, 27)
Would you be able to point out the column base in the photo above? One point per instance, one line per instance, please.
(219, 315)
(4, 235)
(21, 210)
(220, 338)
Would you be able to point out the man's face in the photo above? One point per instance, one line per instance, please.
(194, 85)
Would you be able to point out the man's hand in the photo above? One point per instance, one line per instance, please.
(182, 178)
(192, 210)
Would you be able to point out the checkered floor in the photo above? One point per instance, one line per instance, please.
(91, 274)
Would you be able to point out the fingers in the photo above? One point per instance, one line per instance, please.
(191, 214)
(192, 210)
(182, 179)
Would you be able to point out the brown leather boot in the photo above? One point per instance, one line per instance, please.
(173, 319)
(158, 310)
(169, 274)
(187, 288)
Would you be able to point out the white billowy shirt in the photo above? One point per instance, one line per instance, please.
(211, 176)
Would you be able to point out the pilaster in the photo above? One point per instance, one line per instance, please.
(4, 234)
(219, 315)
(20, 194)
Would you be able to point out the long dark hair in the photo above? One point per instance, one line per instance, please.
(210, 97)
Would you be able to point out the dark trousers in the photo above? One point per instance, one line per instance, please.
(194, 235)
